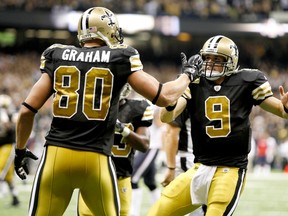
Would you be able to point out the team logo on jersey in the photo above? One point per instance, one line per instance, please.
(226, 170)
(217, 88)
(124, 189)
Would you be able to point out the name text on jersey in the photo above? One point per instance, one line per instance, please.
(93, 56)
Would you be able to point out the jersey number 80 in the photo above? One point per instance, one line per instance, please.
(97, 91)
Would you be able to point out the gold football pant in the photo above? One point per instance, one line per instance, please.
(223, 195)
(125, 192)
(6, 163)
(62, 170)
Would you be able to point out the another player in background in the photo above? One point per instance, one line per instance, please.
(219, 108)
(144, 166)
(7, 141)
(85, 83)
(178, 147)
(131, 133)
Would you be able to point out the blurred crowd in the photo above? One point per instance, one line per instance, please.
(233, 9)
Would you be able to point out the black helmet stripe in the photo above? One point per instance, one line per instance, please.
(85, 21)
(213, 43)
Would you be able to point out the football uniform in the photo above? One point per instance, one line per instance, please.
(85, 92)
(221, 137)
(138, 113)
(7, 139)
(87, 83)
(219, 115)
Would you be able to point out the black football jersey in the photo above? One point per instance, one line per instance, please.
(87, 84)
(139, 113)
(219, 115)
(183, 122)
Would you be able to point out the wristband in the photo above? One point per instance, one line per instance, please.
(171, 168)
(285, 109)
(171, 108)
(126, 131)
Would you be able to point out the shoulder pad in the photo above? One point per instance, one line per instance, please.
(57, 46)
(52, 47)
(131, 51)
(249, 75)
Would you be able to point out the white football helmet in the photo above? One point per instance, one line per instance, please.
(221, 46)
(99, 23)
(5, 101)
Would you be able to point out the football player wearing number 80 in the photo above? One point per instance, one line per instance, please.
(85, 84)
(219, 108)
(131, 133)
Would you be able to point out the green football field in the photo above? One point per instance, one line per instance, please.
(265, 195)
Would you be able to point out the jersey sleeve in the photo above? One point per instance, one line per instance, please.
(262, 89)
(187, 94)
(46, 62)
(134, 58)
(145, 116)
(181, 119)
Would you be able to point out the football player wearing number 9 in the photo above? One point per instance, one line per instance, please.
(220, 104)
(85, 84)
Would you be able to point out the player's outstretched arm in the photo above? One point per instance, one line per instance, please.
(160, 94)
(168, 114)
(170, 148)
(167, 94)
(277, 106)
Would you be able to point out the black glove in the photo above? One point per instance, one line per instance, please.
(192, 68)
(20, 162)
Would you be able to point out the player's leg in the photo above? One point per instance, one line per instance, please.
(175, 198)
(125, 193)
(10, 181)
(139, 167)
(125, 190)
(6, 160)
(225, 190)
(150, 177)
(136, 201)
(7, 170)
(53, 184)
(99, 189)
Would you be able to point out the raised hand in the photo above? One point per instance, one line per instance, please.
(192, 67)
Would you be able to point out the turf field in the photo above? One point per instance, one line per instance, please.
(265, 195)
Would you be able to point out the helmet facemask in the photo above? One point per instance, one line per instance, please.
(209, 72)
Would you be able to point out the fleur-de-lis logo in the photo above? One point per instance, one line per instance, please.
(110, 17)
(235, 51)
